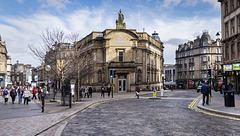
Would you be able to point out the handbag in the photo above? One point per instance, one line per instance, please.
(29, 99)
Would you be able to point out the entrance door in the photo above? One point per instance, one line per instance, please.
(122, 85)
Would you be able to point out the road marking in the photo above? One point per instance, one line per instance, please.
(190, 106)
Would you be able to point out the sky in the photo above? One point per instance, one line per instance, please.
(176, 21)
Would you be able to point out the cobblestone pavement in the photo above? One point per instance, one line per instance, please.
(167, 116)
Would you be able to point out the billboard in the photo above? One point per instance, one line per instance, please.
(236, 66)
(227, 67)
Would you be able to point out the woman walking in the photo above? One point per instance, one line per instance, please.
(6, 95)
(13, 94)
(26, 95)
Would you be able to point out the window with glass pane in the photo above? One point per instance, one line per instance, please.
(233, 51)
(226, 30)
(120, 56)
(233, 26)
(238, 49)
(226, 8)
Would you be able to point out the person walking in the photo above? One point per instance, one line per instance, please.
(102, 91)
(137, 91)
(6, 94)
(90, 91)
(26, 95)
(229, 87)
(34, 91)
(205, 91)
(109, 90)
(86, 92)
(13, 94)
(223, 88)
(20, 94)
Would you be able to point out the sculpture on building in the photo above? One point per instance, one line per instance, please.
(120, 21)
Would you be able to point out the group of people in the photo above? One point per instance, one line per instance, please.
(224, 88)
(23, 93)
(86, 92)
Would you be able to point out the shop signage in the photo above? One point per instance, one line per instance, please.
(236, 66)
(227, 67)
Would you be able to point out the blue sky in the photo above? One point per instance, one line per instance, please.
(176, 21)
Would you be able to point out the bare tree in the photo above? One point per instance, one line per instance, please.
(60, 54)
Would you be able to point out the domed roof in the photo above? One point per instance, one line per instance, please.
(155, 36)
(205, 35)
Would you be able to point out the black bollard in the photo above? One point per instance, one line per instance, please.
(42, 104)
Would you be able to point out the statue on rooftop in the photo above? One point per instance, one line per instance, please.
(120, 21)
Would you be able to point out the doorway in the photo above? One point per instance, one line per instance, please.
(122, 84)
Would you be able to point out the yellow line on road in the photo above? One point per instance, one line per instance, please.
(190, 106)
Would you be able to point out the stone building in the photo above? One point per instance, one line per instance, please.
(230, 25)
(3, 62)
(136, 57)
(169, 75)
(195, 58)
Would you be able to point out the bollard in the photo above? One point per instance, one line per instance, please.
(162, 93)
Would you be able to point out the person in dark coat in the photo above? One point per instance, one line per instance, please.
(205, 91)
(102, 91)
(109, 90)
(13, 94)
(137, 91)
(90, 91)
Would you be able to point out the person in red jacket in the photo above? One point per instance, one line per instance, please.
(34, 91)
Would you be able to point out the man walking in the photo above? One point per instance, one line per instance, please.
(205, 91)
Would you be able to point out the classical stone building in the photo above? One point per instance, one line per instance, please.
(195, 58)
(169, 75)
(136, 57)
(3, 62)
(230, 24)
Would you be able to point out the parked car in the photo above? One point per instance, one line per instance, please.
(199, 88)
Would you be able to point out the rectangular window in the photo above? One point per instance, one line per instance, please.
(227, 52)
(233, 26)
(232, 52)
(220, 58)
(120, 56)
(238, 23)
(205, 58)
(226, 8)
(238, 49)
(232, 5)
(238, 2)
(216, 58)
(226, 30)
(204, 50)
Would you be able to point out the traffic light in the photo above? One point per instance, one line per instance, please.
(209, 72)
(112, 73)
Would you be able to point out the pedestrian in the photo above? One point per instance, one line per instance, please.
(20, 94)
(90, 91)
(81, 92)
(229, 87)
(86, 92)
(39, 93)
(26, 95)
(54, 92)
(102, 91)
(13, 94)
(137, 91)
(6, 94)
(109, 90)
(223, 88)
(205, 91)
(34, 92)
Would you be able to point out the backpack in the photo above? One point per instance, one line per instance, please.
(5, 92)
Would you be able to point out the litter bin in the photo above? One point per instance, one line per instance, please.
(229, 99)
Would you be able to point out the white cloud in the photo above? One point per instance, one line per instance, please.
(58, 4)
